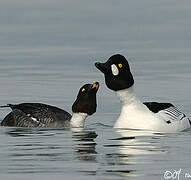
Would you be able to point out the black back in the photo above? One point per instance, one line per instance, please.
(156, 107)
(44, 113)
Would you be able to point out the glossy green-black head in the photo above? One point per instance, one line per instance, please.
(117, 72)
(86, 99)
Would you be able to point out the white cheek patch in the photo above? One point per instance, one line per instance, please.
(114, 70)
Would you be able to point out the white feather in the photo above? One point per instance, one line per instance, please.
(34, 119)
(78, 120)
(135, 115)
(114, 69)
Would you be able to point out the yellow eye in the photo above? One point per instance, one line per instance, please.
(120, 65)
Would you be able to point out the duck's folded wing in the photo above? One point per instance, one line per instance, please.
(20, 119)
(172, 114)
(43, 113)
(167, 111)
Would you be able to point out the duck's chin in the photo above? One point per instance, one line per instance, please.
(117, 84)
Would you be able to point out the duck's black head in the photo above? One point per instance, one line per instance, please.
(117, 72)
(86, 99)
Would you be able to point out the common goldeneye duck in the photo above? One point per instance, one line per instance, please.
(161, 117)
(43, 115)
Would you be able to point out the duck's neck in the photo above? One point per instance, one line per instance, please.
(132, 112)
(78, 120)
(126, 96)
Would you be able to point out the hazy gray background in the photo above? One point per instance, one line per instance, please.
(93, 27)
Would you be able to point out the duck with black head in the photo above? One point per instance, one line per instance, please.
(44, 115)
(160, 117)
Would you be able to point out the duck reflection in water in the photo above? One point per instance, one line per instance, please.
(85, 145)
(22, 131)
(131, 150)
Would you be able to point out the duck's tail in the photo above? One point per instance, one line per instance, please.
(8, 105)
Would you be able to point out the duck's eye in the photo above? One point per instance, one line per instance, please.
(83, 89)
(114, 70)
(120, 65)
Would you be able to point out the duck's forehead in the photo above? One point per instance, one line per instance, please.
(112, 61)
(116, 60)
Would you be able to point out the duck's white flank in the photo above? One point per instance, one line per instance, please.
(136, 115)
(78, 120)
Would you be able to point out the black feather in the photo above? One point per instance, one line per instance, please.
(156, 107)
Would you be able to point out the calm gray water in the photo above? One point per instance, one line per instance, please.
(47, 51)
